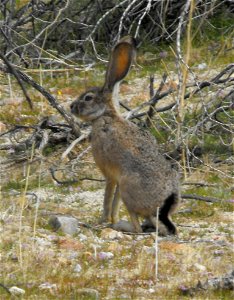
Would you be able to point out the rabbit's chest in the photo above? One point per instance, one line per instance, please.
(105, 148)
(104, 142)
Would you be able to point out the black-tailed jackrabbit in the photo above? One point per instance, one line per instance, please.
(127, 156)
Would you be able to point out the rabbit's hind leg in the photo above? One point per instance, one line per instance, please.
(135, 222)
(165, 213)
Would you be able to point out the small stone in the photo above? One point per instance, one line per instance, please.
(66, 224)
(14, 290)
(42, 242)
(77, 268)
(87, 293)
(148, 250)
(124, 226)
(202, 66)
(48, 286)
(199, 267)
(111, 234)
(82, 237)
(218, 252)
(73, 255)
(105, 255)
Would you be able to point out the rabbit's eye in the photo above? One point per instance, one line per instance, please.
(88, 97)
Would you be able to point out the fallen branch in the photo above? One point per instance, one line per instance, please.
(73, 144)
(67, 182)
(199, 184)
(201, 198)
(53, 102)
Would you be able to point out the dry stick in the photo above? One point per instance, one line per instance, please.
(182, 75)
(151, 110)
(73, 144)
(123, 16)
(156, 245)
(147, 9)
(53, 102)
(65, 182)
(199, 184)
(13, 72)
(201, 198)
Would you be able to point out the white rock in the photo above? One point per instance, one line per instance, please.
(202, 66)
(66, 224)
(111, 234)
(77, 268)
(148, 250)
(42, 242)
(14, 290)
(199, 267)
(82, 237)
(48, 286)
(105, 255)
(73, 255)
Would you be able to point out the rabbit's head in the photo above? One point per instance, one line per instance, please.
(96, 101)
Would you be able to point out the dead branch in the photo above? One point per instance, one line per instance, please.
(199, 184)
(228, 70)
(201, 198)
(53, 102)
(12, 71)
(73, 181)
(28, 31)
(151, 110)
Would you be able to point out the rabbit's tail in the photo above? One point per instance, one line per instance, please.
(164, 214)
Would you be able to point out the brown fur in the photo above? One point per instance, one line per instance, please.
(126, 155)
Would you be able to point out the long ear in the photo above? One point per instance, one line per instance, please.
(120, 61)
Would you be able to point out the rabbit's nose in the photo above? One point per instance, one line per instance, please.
(72, 107)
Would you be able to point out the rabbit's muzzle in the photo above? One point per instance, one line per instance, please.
(74, 108)
(88, 110)
(78, 108)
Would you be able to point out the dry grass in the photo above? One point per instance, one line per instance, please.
(32, 254)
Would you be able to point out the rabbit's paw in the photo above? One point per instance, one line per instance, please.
(105, 219)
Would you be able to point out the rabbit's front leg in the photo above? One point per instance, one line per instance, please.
(115, 206)
(108, 199)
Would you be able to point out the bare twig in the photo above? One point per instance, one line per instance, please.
(201, 198)
(151, 110)
(73, 144)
